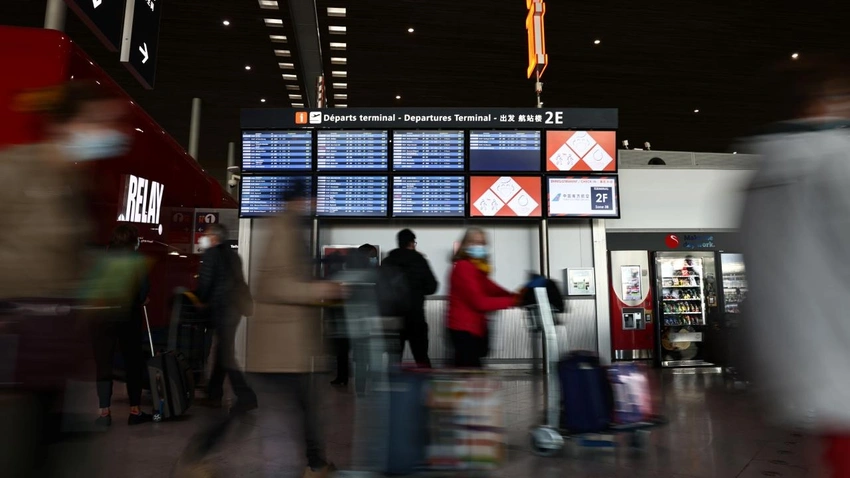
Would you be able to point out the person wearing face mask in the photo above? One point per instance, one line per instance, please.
(472, 295)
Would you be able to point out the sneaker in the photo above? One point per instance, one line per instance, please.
(139, 418)
(103, 421)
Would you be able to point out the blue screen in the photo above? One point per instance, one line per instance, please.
(428, 150)
(352, 196)
(508, 151)
(352, 150)
(262, 195)
(429, 196)
(268, 151)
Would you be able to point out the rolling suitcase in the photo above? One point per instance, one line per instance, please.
(408, 423)
(172, 382)
(632, 395)
(587, 398)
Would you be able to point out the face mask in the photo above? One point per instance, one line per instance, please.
(138, 243)
(373, 261)
(90, 146)
(476, 252)
(205, 243)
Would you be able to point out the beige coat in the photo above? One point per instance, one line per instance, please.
(43, 225)
(285, 333)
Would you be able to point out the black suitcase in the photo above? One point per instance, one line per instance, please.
(172, 382)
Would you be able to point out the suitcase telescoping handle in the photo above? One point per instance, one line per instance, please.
(148, 324)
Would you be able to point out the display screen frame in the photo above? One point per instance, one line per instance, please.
(387, 170)
(387, 195)
(279, 171)
(471, 200)
(394, 170)
(539, 170)
(294, 177)
(548, 192)
(611, 150)
(464, 197)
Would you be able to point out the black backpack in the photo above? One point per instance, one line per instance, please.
(393, 291)
(556, 300)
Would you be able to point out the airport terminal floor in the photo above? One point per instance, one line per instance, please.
(714, 431)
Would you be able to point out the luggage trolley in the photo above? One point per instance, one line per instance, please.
(547, 439)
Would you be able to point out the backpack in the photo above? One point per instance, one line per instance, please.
(113, 283)
(393, 291)
(556, 300)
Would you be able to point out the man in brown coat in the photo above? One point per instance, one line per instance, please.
(285, 344)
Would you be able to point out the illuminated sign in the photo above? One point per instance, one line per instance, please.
(142, 201)
(537, 57)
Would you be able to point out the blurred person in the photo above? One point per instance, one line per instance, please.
(421, 282)
(220, 281)
(123, 326)
(472, 295)
(796, 216)
(45, 230)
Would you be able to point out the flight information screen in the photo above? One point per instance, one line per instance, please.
(267, 151)
(352, 196)
(352, 150)
(508, 151)
(262, 195)
(428, 150)
(429, 196)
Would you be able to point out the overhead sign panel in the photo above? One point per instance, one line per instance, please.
(103, 17)
(140, 42)
(537, 57)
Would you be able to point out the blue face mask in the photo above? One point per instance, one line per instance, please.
(373, 261)
(93, 146)
(476, 252)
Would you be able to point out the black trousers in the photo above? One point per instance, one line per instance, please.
(127, 335)
(224, 365)
(415, 333)
(469, 349)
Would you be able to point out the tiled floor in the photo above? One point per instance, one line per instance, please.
(713, 432)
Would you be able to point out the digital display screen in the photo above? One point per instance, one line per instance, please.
(262, 195)
(428, 150)
(267, 151)
(585, 151)
(505, 196)
(352, 150)
(589, 197)
(504, 151)
(352, 196)
(429, 196)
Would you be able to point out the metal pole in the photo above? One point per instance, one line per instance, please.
(194, 128)
(544, 247)
(538, 88)
(54, 17)
(231, 161)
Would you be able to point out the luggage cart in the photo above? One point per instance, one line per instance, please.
(548, 439)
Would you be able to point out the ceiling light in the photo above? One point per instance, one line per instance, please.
(268, 4)
(282, 53)
(338, 46)
(336, 12)
(342, 106)
(287, 66)
(293, 87)
(340, 97)
(278, 38)
(294, 97)
(596, 42)
(297, 105)
(336, 60)
(339, 30)
(696, 111)
(398, 97)
(262, 100)
(795, 56)
(273, 22)
(410, 30)
(288, 76)
(339, 74)
(226, 23)
(248, 67)
(340, 86)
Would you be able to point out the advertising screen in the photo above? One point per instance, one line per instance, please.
(429, 196)
(352, 196)
(505, 196)
(588, 196)
(428, 150)
(262, 195)
(277, 151)
(504, 151)
(583, 151)
(352, 150)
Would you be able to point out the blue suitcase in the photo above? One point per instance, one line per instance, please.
(408, 425)
(586, 394)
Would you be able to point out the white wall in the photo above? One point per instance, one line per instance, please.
(680, 199)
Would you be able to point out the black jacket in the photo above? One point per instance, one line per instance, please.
(420, 278)
(221, 271)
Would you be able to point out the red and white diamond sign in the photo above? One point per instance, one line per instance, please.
(581, 151)
(505, 196)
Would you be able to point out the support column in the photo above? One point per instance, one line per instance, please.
(603, 306)
(54, 17)
(195, 128)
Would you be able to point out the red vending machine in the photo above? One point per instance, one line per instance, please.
(632, 299)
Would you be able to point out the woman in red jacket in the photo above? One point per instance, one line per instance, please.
(472, 295)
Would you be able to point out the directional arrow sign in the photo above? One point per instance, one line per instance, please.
(141, 38)
(103, 17)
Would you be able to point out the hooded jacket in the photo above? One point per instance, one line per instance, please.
(795, 230)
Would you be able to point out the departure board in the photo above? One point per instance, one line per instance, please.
(509, 151)
(277, 151)
(263, 195)
(352, 196)
(428, 150)
(429, 196)
(352, 150)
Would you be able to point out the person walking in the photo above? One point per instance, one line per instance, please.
(220, 282)
(472, 295)
(421, 283)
